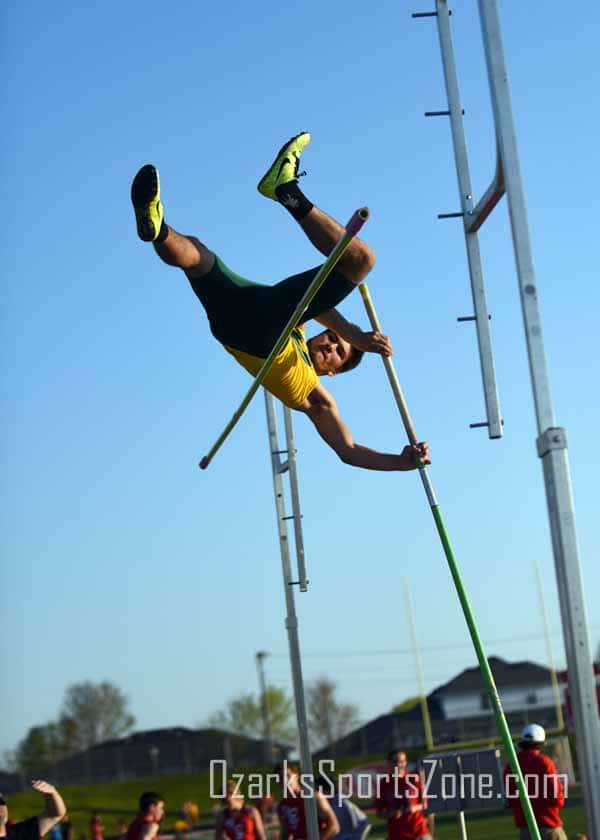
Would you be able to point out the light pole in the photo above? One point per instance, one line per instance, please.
(267, 737)
(154, 753)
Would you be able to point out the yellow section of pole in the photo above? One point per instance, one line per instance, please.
(354, 225)
(419, 669)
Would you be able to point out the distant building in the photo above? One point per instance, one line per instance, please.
(10, 782)
(162, 752)
(523, 686)
(459, 711)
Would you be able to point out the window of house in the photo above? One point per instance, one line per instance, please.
(485, 701)
(531, 698)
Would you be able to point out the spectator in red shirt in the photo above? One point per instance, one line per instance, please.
(401, 799)
(96, 827)
(544, 786)
(238, 821)
(147, 823)
(290, 809)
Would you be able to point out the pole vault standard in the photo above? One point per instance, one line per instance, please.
(280, 467)
(354, 225)
(484, 665)
(552, 439)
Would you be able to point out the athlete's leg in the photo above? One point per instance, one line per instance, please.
(281, 184)
(235, 306)
(185, 252)
(324, 233)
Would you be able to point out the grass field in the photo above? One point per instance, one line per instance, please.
(117, 801)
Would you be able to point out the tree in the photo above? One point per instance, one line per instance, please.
(243, 715)
(405, 706)
(92, 713)
(39, 750)
(9, 761)
(328, 720)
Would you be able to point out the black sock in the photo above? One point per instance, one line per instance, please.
(293, 199)
(163, 232)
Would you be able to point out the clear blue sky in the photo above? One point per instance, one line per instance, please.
(120, 559)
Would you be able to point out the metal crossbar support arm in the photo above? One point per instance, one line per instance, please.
(552, 441)
(484, 666)
(482, 325)
(352, 228)
(291, 621)
(488, 201)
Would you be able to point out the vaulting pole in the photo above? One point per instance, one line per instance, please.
(486, 672)
(354, 225)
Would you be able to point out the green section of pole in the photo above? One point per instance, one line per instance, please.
(484, 666)
(352, 228)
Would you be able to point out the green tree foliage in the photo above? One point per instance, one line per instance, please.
(328, 719)
(91, 713)
(40, 749)
(243, 715)
(405, 706)
(95, 712)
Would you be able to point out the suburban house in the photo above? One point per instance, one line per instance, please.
(523, 686)
(459, 710)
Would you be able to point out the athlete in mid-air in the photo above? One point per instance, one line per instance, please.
(248, 318)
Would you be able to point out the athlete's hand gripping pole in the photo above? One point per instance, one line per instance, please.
(484, 666)
(354, 225)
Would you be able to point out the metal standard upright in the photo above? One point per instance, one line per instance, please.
(552, 439)
(280, 467)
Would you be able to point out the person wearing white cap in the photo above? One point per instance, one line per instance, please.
(544, 785)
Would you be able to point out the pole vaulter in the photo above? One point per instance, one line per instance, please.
(251, 320)
(358, 219)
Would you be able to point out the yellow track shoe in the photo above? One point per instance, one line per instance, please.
(285, 166)
(145, 197)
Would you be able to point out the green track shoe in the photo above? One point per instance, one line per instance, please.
(285, 166)
(145, 197)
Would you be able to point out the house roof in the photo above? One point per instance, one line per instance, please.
(170, 733)
(506, 674)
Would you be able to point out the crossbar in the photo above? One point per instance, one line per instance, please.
(352, 228)
(486, 671)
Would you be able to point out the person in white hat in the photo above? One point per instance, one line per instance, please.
(544, 785)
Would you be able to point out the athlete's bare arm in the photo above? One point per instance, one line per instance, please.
(323, 411)
(55, 807)
(259, 828)
(327, 816)
(369, 342)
